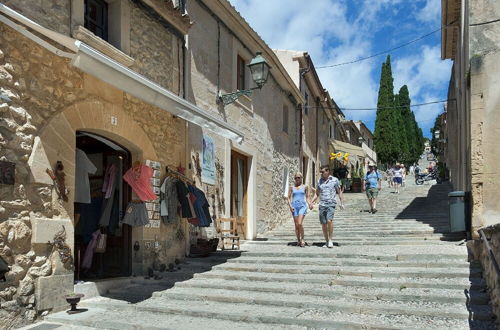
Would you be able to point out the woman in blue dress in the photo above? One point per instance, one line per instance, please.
(298, 201)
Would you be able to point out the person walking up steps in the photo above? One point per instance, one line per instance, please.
(398, 177)
(298, 200)
(372, 184)
(328, 188)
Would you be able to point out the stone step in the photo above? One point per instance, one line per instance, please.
(333, 291)
(354, 241)
(287, 317)
(99, 316)
(324, 253)
(380, 232)
(372, 225)
(416, 308)
(346, 262)
(353, 271)
(354, 281)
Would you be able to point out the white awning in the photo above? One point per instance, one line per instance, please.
(94, 63)
(117, 75)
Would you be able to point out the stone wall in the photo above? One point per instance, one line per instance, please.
(48, 101)
(484, 56)
(479, 252)
(54, 14)
(157, 52)
(258, 117)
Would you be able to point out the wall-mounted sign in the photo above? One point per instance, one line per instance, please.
(208, 161)
(7, 172)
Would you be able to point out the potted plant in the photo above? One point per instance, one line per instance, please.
(356, 182)
(73, 299)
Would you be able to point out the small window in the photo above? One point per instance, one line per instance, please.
(285, 119)
(96, 17)
(306, 105)
(240, 74)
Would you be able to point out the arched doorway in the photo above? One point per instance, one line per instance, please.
(100, 200)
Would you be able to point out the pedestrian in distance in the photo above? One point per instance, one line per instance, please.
(372, 184)
(341, 174)
(390, 177)
(398, 177)
(403, 168)
(298, 201)
(327, 190)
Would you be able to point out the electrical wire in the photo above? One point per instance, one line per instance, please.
(484, 23)
(375, 109)
(382, 52)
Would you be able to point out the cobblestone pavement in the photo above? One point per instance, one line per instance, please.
(398, 268)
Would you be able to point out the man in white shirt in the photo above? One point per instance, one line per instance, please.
(328, 188)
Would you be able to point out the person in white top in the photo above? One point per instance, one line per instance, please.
(398, 177)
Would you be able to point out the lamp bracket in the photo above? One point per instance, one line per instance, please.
(231, 97)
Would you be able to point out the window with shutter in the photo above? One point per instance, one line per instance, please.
(240, 74)
(96, 17)
(285, 119)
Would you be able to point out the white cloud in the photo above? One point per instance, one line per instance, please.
(431, 11)
(335, 31)
(329, 36)
(425, 74)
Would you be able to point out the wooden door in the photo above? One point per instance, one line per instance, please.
(239, 188)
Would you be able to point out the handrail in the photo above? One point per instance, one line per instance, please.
(490, 252)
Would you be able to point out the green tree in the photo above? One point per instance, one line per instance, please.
(404, 124)
(385, 135)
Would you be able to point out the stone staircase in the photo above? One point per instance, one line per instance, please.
(399, 268)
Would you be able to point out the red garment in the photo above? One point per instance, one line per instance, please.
(139, 178)
(194, 220)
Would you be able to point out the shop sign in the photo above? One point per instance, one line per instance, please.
(208, 161)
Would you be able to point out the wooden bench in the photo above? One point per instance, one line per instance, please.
(228, 234)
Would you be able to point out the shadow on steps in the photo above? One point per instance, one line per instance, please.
(141, 288)
(433, 211)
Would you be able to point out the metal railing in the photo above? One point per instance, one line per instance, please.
(490, 252)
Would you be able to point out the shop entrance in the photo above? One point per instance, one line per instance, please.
(101, 196)
(239, 184)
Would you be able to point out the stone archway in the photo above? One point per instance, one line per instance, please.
(57, 140)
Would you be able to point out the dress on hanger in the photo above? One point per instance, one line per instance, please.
(139, 178)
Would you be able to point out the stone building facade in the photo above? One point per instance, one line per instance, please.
(62, 86)
(313, 115)
(251, 177)
(471, 39)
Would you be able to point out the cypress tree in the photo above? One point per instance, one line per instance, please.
(385, 135)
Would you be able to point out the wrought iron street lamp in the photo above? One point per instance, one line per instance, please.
(259, 70)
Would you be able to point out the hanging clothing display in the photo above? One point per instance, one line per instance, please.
(136, 214)
(89, 218)
(89, 252)
(109, 181)
(192, 199)
(201, 206)
(169, 201)
(108, 190)
(182, 196)
(139, 178)
(83, 168)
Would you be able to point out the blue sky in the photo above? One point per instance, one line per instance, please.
(334, 31)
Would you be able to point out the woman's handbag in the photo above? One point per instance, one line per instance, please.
(101, 244)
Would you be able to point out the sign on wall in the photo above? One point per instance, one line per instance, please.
(208, 161)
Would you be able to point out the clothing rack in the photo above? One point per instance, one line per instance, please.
(179, 175)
